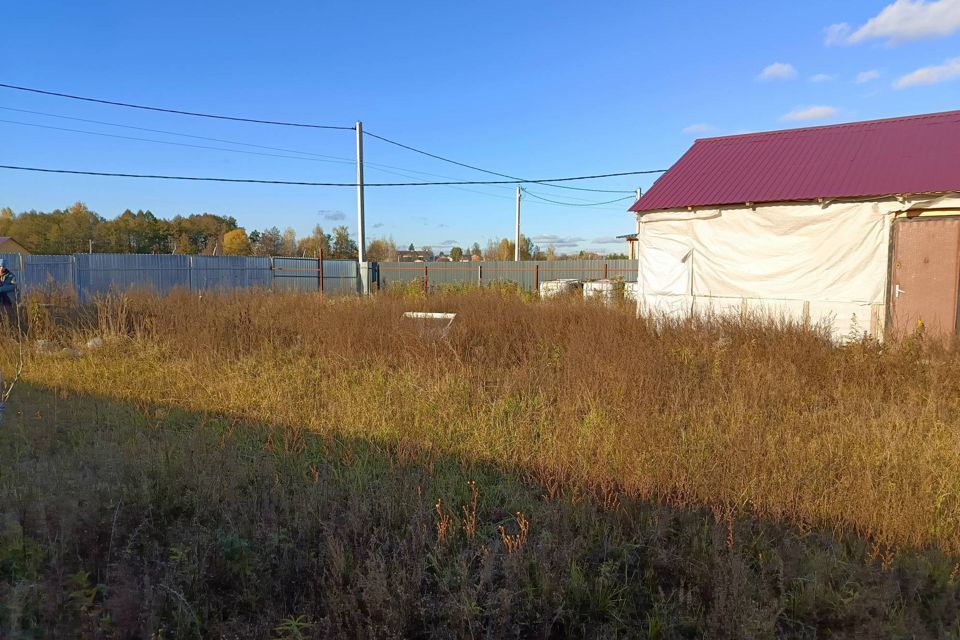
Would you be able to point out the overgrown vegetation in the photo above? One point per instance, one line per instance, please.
(273, 465)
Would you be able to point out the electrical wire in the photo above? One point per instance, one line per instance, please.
(515, 179)
(370, 165)
(323, 184)
(176, 133)
(175, 111)
(170, 142)
(384, 168)
(576, 204)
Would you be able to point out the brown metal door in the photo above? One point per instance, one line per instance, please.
(925, 275)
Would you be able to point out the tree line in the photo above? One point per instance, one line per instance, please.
(77, 229)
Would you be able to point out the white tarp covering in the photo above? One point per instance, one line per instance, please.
(828, 260)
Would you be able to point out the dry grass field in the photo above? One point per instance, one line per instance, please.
(286, 466)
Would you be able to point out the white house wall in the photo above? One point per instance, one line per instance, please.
(823, 262)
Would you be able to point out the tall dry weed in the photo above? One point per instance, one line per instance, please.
(737, 415)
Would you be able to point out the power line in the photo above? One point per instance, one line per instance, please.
(577, 204)
(543, 181)
(515, 179)
(375, 165)
(512, 179)
(432, 155)
(177, 144)
(176, 133)
(175, 111)
(385, 168)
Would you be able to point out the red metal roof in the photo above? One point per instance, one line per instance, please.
(915, 154)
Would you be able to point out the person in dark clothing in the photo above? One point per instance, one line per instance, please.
(8, 294)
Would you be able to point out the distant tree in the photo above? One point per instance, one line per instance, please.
(77, 228)
(344, 248)
(205, 230)
(551, 253)
(315, 243)
(456, 254)
(289, 244)
(475, 249)
(6, 219)
(382, 250)
(528, 250)
(183, 244)
(616, 256)
(270, 243)
(411, 247)
(236, 243)
(427, 249)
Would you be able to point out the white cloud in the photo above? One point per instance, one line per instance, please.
(332, 214)
(699, 127)
(778, 71)
(608, 240)
(867, 76)
(901, 21)
(801, 114)
(822, 77)
(836, 34)
(557, 241)
(930, 75)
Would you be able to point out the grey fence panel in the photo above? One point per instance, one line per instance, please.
(397, 273)
(102, 272)
(296, 274)
(340, 277)
(525, 273)
(40, 272)
(90, 274)
(229, 272)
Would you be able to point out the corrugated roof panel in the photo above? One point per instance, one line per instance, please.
(915, 154)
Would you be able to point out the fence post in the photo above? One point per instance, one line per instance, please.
(536, 277)
(426, 279)
(605, 272)
(320, 272)
(480, 274)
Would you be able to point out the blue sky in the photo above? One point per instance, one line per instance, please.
(535, 89)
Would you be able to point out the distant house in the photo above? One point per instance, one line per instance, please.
(414, 256)
(9, 245)
(856, 225)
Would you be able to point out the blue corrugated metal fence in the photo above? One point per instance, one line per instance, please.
(90, 274)
(527, 274)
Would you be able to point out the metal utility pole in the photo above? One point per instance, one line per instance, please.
(516, 249)
(361, 240)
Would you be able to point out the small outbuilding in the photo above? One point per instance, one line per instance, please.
(854, 224)
(631, 240)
